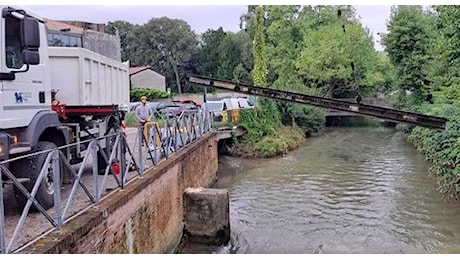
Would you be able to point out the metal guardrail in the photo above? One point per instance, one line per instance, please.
(153, 143)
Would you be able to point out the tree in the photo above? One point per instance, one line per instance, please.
(259, 50)
(164, 44)
(229, 54)
(408, 46)
(336, 55)
(208, 54)
(284, 36)
(448, 43)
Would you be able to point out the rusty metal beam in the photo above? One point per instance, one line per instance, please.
(388, 114)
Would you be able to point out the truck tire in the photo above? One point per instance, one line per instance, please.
(30, 168)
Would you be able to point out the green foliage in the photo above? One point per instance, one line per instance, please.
(383, 74)
(309, 119)
(271, 147)
(442, 149)
(151, 94)
(408, 47)
(429, 60)
(263, 123)
(124, 30)
(225, 55)
(208, 54)
(287, 139)
(167, 45)
(229, 57)
(130, 120)
(258, 124)
(259, 49)
(448, 43)
(340, 61)
(284, 37)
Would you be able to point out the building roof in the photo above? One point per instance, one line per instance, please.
(135, 70)
(58, 26)
(70, 26)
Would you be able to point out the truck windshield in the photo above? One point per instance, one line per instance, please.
(13, 50)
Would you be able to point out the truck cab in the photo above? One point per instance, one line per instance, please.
(34, 118)
(25, 88)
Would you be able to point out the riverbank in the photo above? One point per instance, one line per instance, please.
(288, 138)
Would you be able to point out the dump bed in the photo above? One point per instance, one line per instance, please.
(86, 78)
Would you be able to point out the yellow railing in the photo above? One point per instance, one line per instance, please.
(147, 127)
(231, 116)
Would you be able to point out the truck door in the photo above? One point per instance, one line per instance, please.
(23, 93)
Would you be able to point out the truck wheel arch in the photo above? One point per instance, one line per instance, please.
(45, 126)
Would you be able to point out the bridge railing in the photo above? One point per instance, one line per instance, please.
(86, 183)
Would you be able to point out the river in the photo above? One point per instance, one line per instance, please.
(348, 190)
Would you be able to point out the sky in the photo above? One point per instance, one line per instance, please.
(201, 16)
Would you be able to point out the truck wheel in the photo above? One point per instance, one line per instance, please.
(30, 168)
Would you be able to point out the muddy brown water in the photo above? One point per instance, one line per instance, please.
(349, 190)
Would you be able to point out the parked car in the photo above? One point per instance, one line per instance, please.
(243, 102)
(169, 109)
(217, 107)
(189, 107)
(188, 101)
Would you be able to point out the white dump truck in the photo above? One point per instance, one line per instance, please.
(51, 97)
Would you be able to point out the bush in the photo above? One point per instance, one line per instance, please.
(270, 147)
(309, 119)
(151, 94)
(442, 149)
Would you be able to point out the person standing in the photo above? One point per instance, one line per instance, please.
(143, 112)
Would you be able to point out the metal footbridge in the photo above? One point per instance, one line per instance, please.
(388, 114)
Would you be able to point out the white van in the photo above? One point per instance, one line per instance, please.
(231, 103)
(217, 107)
(243, 102)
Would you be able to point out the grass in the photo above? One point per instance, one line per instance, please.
(131, 121)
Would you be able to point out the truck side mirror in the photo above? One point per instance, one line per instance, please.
(31, 57)
(30, 33)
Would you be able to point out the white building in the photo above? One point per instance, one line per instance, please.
(146, 77)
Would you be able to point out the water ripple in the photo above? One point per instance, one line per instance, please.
(357, 190)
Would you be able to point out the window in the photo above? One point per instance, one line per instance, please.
(14, 59)
(60, 39)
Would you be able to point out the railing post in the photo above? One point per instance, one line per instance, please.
(122, 161)
(93, 146)
(175, 134)
(154, 132)
(141, 159)
(57, 187)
